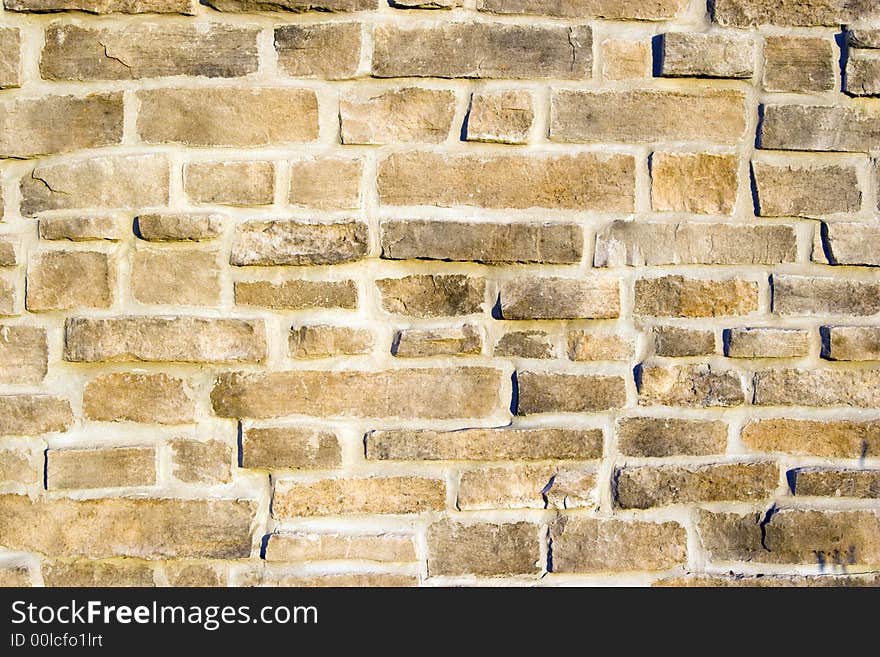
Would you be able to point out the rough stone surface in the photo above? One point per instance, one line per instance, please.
(100, 468)
(798, 64)
(689, 385)
(60, 280)
(432, 296)
(677, 296)
(200, 462)
(700, 183)
(87, 572)
(525, 344)
(568, 393)
(715, 55)
(297, 294)
(326, 183)
(825, 387)
(805, 191)
(835, 483)
(767, 343)
(597, 346)
(325, 50)
(485, 549)
(624, 59)
(29, 415)
(10, 57)
(294, 548)
(409, 114)
(230, 183)
(820, 128)
(610, 9)
(749, 13)
(135, 397)
(177, 277)
(501, 116)
(18, 466)
(560, 298)
(179, 227)
(329, 341)
(833, 439)
(380, 495)
(651, 436)
(853, 343)
(81, 229)
(843, 243)
(674, 341)
(453, 341)
(24, 353)
(805, 295)
(105, 6)
(525, 487)
(287, 447)
(295, 243)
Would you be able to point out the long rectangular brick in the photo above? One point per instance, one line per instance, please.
(297, 243)
(677, 296)
(827, 482)
(832, 438)
(808, 295)
(302, 547)
(655, 436)
(369, 495)
(853, 343)
(542, 297)
(29, 415)
(289, 447)
(821, 128)
(486, 549)
(688, 385)
(844, 243)
(830, 13)
(803, 190)
(825, 387)
(297, 294)
(100, 468)
(568, 393)
(621, 10)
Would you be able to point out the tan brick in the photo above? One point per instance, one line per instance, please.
(335, 580)
(649, 486)
(689, 385)
(187, 573)
(610, 9)
(15, 577)
(677, 296)
(432, 295)
(767, 343)
(482, 50)
(863, 38)
(832, 439)
(485, 549)
(842, 243)
(375, 495)
(84, 572)
(56, 124)
(699, 183)
(29, 415)
(297, 294)
(136, 397)
(82, 229)
(584, 345)
(449, 341)
(147, 50)
(288, 447)
(525, 487)
(819, 128)
(770, 581)
(179, 277)
(831, 13)
(177, 338)
(295, 243)
(568, 393)
(501, 116)
(319, 50)
(24, 353)
(525, 344)
(806, 191)
(806, 295)
(140, 527)
(114, 467)
(792, 536)
(489, 243)
(293, 548)
(7, 298)
(674, 341)
(707, 55)
(400, 393)
(201, 462)
(327, 341)
(230, 183)
(835, 483)
(110, 182)
(647, 116)
(560, 298)
(485, 445)
(7, 254)
(227, 116)
(408, 114)
(60, 280)
(624, 59)
(296, 6)
(638, 243)
(825, 387)
(326, 183)
(583, 544)
(853, 343)
(798, 64)
(105, 6)
(19, 467)
(584, 181)
(179, 226)
(652, 436)
(10, 57)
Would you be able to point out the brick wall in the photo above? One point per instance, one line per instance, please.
(515, 292)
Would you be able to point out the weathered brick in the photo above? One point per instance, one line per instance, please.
(56, 124)
(321, 341)
(7, 298)
(379, 495)
(289, 447)
(549, 243)
(409, 114)
(833, 439)
(582, 544)
(501, 116)
(323, 50)
(863, 38)
(647, 116)
(610, 9)
(190, 574)
(136, 397)
(568, 393)
(10, 57)
(334, 580)
(230, 183)
(652, 436)
(767, 343)
(85, 572)
(584, 181)
(465, 340)
(482, 50)
(296, 6)
(807, 295)
(294, 548)
(798, 64)
(485, 445)
(201, 462)
(18, 466)
(707, 55)
(82, 229)
(29, 415)
(823, 482)
(178, 338)
(227, 117)
(826, 387)
(689, 385)
(805, 190)
(7, 253)
(853, 343)
(147, 50)
(584, 345)
(110, 182)
(296, 243)
(820, 128)
(59, 280)
(326, 183)
(432, 295)
(525, 487)
(403, 393)
(748, 13)
(770, 581)
(624, 59)
(105, 6)
(675, 341)
(141, 527)
(486, 549)
(699, 183)
(842, 243)
(643, 487)
(181, 277)
(297, 294)
(525, 344)
(677, 296)
(15, 576)
(560, 298)
(24, 352)
(100, 468)
(179, 226)
(638, 244)
(792, 536)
